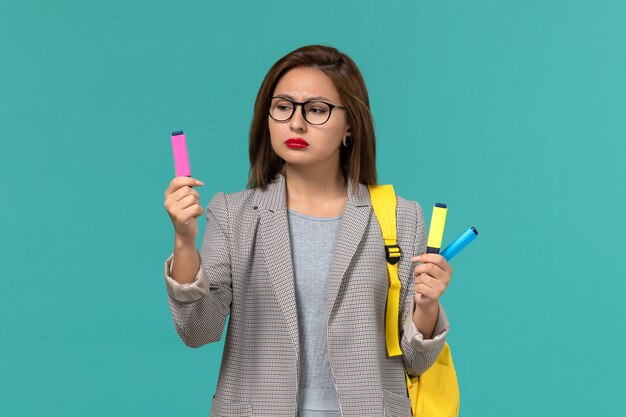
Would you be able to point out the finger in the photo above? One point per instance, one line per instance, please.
(181, 181)
(187, 201)
(191, 213)
(436, 286)
(438, 276)
(191, 191)
(426, 280)
(431, 269)
(426, 291)
(433, 258)
(439, 280)
(183, 192)
(190, 181)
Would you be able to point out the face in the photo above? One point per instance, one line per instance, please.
(319, 144)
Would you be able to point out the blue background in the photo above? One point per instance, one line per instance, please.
(510, 112)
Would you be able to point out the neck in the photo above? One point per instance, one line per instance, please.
(314, 184)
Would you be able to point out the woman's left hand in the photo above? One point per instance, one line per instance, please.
(431, 279)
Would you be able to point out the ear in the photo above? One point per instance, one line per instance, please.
(348, 131)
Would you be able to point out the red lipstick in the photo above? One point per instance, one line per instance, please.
(296, 143)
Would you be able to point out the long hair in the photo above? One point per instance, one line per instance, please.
(358, 159)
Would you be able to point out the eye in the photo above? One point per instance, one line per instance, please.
(282, 105)
(317, 108)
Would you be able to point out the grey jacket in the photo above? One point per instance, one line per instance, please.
(247, 272)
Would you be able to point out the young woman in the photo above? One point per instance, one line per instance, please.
(298, 259)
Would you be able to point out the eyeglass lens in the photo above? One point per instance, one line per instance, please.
(315, 112)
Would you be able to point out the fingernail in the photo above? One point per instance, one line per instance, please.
(417, 258)
(199, 182)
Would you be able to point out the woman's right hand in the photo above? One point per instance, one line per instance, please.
(183, 205)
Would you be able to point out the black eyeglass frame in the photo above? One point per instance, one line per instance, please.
(302, 104)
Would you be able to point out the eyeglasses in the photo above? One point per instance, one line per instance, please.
(315, 112)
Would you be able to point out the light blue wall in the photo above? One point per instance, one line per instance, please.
(513, 113)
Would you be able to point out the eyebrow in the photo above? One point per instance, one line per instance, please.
(308, 99)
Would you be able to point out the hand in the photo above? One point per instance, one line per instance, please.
(432, 277)
(183, 205)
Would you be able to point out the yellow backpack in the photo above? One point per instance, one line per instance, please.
(435, 393)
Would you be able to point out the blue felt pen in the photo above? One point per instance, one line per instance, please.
(459, 243)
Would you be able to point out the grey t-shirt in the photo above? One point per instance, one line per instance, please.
(312, 244)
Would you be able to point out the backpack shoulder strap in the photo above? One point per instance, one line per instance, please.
(384, 204)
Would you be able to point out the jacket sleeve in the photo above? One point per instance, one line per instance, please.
(419, 354)
(199, 309)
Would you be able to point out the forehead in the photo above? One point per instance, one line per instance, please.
(302, 83)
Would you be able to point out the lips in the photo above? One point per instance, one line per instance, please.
(296, 143)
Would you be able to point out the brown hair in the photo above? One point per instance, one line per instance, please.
(358, 159)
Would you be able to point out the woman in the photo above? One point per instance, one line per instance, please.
(297, 259)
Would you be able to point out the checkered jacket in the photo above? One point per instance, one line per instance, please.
(247, 272)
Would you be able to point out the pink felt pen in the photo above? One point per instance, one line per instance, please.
(181, 157)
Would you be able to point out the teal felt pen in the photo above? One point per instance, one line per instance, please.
(459, 243)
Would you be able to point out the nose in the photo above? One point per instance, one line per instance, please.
(297, 122)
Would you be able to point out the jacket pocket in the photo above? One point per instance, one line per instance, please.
(225, 408)
(395, 405)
